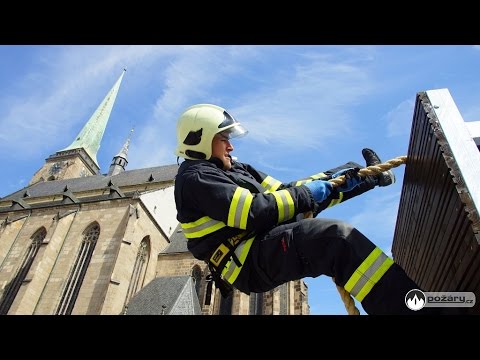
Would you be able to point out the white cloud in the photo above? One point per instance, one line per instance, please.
(307, 106)
(63, 94)
(399, 120)
(305, 102)
(188, 78)
(266, 164)
(194, 72)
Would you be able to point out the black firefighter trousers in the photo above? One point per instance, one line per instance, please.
(316, 246)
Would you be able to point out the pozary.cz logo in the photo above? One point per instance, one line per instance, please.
(417, 299)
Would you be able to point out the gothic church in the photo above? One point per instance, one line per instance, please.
(76, 241)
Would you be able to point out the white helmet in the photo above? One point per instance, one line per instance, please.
(197, 126)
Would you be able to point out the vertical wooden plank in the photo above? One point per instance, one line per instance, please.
(436, 238)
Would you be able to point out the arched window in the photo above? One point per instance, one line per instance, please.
(197, 279)
(76, 276)
(14, 286)
(139, 268)
(256, 304)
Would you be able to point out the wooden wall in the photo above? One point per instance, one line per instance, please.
(437, 233)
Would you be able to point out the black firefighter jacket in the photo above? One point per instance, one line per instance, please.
(213, 204)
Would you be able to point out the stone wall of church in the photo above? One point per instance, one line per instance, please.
(139, 228)
(268, 303)
(300, 303)
(57, 169)
(124, 223)
(105, 285)
(15, 238)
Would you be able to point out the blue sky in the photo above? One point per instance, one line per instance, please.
(307, 109)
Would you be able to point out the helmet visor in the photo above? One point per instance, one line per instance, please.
(233, 127)
(235, 131)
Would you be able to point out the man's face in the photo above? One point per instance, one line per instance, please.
(221, 148)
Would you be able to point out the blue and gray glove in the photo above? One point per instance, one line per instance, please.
(352, 179)
(320, 189)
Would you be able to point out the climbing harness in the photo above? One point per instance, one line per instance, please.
(227, 260)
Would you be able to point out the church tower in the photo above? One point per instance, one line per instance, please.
(76, 241)
(80, 158)
(119, 161)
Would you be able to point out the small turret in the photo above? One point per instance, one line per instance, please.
(119, 161)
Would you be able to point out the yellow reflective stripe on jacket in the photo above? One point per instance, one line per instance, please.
(231, 270)
(319, 176)
(239, 208)
(368, 274)
(302, 182)
(285, 204)
(271, 184)
(203, 226)
(336, 201)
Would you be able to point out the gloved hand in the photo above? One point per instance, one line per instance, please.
(352, 179)
(320, 189)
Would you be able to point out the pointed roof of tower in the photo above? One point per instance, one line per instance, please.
(124, 152)
(91, 135)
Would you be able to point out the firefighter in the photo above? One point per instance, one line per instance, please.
(248, 226)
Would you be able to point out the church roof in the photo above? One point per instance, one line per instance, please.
(151, 175)
(174, 295)
(178, 242)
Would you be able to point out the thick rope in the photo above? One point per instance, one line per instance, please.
(369, 170)
(373, 170)
(347, 300)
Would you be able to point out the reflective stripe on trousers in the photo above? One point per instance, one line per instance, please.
(368, 274)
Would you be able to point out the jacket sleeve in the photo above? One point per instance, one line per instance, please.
(217, 196)
(272, 184)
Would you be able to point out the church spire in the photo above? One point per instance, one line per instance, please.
(80, 158)
(119, 161)
(91, 135)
